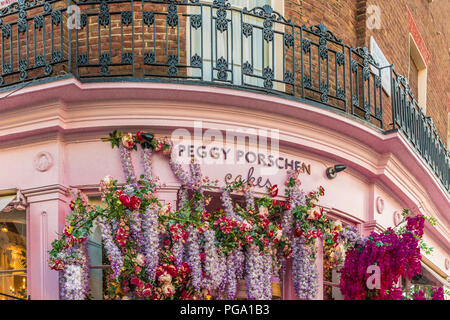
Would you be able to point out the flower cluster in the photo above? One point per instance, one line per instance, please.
(396, 254)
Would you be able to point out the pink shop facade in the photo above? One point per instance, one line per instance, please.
(205, 70)
(51, 142)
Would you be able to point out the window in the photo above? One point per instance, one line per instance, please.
(13, 244)
(224, 53)
(96, 255)
(331, 275)
(417, 74)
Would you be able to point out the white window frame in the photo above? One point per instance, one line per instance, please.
(422, 74)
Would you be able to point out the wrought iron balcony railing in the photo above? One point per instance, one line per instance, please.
(211, 42)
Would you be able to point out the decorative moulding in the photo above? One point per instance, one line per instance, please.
(43, 161)
(397, 218)
(380, 205)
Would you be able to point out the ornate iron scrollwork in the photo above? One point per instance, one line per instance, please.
(127, 58)
(6, 31)
(222, 67)
(324, 90)
(247, 68)
(104, 17)
(288, 40)
(307, 82)
(82, 59)
(306, 45)
(39, 61)
(340, 94)
(172, 15)
(105, 61)
(340, 58)
(56, 56)
(268, 76)
(221, 19)
(247, 30)
(321, 31)
(48, 69)
(196, 61)
(149, 57)
(126, 18)
(57, 17)
(196, 21)
(288, 77)
(38, 22)
(7, 68)
(149, 18)
(172, 61)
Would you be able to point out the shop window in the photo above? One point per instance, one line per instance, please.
(417, 74)
(331, 275)
(97, 260)
(13, 249)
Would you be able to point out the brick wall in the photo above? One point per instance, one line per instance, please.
(432, 27)
(430, 23)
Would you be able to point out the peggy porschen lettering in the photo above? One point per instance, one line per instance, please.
(228, 155)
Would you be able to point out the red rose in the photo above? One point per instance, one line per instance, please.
(72, 205)
(274, 190)
(125, 199)
(274, 203)
(184, 269)
(147, 292)
(282, 203)
(135, 281)
(172, 270)
(270, 233)
(139, 137)
(202, 257)
(166, 242)
(135, 203)
(298, 232)
(287, 206)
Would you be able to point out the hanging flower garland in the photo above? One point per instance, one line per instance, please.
(157, 252)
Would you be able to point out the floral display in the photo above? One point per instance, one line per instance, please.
(395, 252)
(156, 251)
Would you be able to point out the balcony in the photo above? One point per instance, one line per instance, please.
(213, 44)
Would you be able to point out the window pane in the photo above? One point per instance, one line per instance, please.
(95, 257)
(13, 253)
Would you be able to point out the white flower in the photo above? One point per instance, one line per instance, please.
(140, 259)
(165, 278)
(165, 210)
(278, 234)
(168, 289)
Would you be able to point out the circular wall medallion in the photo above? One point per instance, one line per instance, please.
(397, 218)
(380, 205)
(43, 161)
(447, 264)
